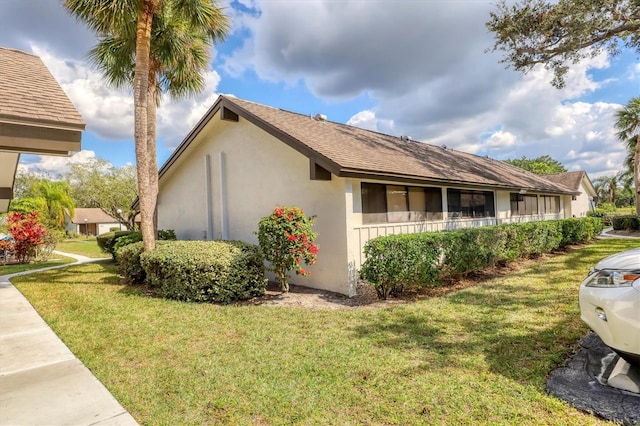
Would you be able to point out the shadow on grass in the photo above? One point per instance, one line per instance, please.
(98, 272)
(521, 326)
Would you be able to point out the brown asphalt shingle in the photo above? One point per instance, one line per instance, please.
(93, 215)
(571, 180)
(29, 93)
(355, 151)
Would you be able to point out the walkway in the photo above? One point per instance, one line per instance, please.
(41, 380)
(606, 233)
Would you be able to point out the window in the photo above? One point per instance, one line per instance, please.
(522, 204)
(397, 203)
(464, 203)
(550, 204)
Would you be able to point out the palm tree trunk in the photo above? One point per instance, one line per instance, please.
(152, 107)
(140, 93)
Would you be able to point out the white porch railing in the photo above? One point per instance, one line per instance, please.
(364, 233)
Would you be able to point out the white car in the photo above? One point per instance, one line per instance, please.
(610, 303)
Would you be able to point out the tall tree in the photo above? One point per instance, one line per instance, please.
(100, 184)
(563, 32)
(543, 165)
(151, 66)
(606, 187)
(628, 126)
(50, 199)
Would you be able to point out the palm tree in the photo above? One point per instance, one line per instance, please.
(605, 187)
(57, 196)
(155, 46)
(628, 126)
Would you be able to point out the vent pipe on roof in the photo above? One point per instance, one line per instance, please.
(406, 138)
(321, 117)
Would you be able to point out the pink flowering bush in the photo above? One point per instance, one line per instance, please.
(286, 240)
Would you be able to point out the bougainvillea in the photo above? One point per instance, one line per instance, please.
(286, 240)
(27, 234)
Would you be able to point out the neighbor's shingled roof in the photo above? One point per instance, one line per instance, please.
(31, 94)
(93, 215)
(571, 180)
(354, 152)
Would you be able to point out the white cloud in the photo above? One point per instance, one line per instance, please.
(109, 113)
(500, 140)
(365, 120)
(52, 166)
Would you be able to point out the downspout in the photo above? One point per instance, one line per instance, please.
(207, 185)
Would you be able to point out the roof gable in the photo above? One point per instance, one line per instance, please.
(573, 181)
(349, 151)
(91, 215)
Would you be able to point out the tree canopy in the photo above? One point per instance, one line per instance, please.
(560, 33)
(100, 184)
(151, 63)
(628, 126)
(543, 165)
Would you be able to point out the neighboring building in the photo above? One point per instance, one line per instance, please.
(92, 222)
(36, 116)
(243, 159)
(579, 182)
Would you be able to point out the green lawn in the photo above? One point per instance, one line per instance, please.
(475, 356)
(53, 261)
(82, 246)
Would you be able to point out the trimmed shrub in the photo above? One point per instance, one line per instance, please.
(125, 240)
(166, 235)
(128, 258)
(107, 241)
(397, 262)
(205, 271)
(626, 222)
(134, 237)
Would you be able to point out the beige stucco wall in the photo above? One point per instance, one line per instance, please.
(582, 204)
(255, 173)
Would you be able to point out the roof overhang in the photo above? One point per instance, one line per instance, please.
(9, 162)
(25, 137)
(29, 138)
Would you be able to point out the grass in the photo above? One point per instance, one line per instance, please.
(82, 246)
(53, 261)
(476, 356)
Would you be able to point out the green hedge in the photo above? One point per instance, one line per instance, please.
(205, 271)
(396, 263)
(128, 258)
(107, 241)
(626, 222)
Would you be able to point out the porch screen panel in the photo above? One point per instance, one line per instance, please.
(470, 204)
(433, 203)
(551, 204)
(397, 204)
(417, 204)
(522, 204)
(374, 204)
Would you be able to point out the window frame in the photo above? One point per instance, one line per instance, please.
(464, 204)
(381, 192)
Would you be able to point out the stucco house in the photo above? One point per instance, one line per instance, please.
(36, 116)
(92, 222)
(579, 182)
(243, 159)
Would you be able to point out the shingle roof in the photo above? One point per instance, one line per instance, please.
(31, 94)
(93, 215)
(353, 152)
(571, 180)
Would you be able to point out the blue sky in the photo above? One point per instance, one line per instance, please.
(405, 67)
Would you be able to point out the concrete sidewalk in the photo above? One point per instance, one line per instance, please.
(41, 380)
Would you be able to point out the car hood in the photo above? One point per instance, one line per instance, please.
(629, 260)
